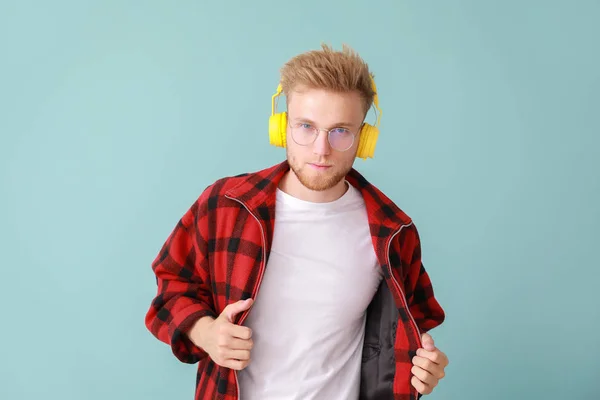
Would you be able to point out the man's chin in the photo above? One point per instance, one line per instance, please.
(318, 182)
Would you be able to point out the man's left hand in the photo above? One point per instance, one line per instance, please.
(428, 366)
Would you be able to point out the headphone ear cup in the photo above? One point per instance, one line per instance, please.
(277, 129)
(367, 141)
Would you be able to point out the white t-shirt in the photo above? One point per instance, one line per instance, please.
(309, 315)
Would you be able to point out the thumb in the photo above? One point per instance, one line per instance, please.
(235, 308)
(427, 341)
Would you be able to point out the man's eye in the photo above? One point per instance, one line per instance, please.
(340, 131)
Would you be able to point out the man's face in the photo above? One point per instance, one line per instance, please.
(319, 166)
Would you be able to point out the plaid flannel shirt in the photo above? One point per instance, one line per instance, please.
(217, 252)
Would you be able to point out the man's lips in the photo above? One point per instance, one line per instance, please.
(319, 166)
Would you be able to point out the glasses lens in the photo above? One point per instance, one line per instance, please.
(303, 134)
(341, 139)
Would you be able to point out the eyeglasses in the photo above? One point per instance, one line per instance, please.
(340, 139)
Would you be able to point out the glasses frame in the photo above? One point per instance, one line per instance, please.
(317, 131)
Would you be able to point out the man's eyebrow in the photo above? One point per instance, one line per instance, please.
(336, 125)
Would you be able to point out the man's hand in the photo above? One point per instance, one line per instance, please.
(227, 344)
(428, 366)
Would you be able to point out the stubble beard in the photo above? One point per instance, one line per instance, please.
(314, 180)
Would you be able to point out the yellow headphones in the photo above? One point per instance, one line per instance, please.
(367, 137)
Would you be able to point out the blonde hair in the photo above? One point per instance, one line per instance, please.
(338, 71)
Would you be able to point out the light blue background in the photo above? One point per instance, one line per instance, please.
(115, 115)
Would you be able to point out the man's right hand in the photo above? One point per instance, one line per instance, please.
(227, 344)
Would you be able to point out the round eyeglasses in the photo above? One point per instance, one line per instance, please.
(304, 134)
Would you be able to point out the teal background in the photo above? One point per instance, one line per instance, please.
(115, 115)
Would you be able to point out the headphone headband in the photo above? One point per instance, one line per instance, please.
(277, 93)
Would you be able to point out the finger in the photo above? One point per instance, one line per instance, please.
(225, 356)
(240, 344)
(238, 331)
(434, 369)
(424, 376)
(435, 356)
(420, 386)
(236, 308)
(428, 343)
(236, 364)
(241, 355)
(227, 341)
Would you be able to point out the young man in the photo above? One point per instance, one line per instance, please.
(303, 280)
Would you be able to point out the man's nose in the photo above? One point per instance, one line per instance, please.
(321, 145)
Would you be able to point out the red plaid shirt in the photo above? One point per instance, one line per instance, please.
(217, 253)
